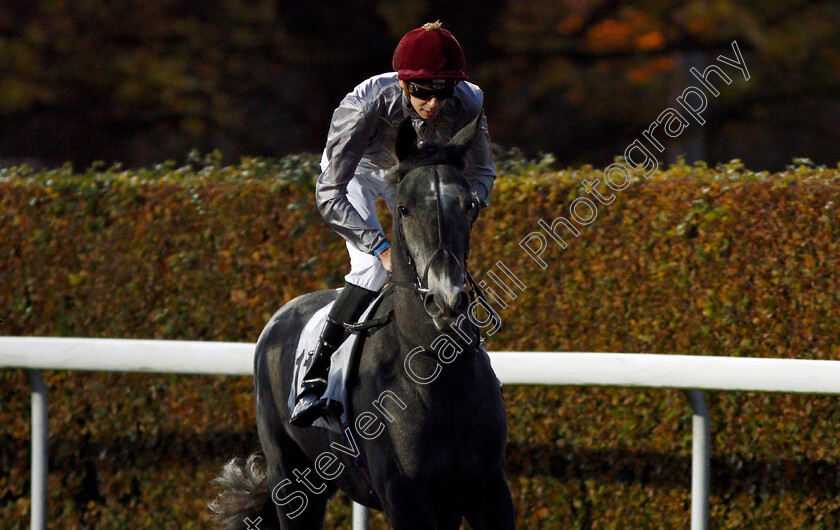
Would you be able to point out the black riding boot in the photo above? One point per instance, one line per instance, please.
(348, 307)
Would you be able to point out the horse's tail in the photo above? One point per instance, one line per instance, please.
(245, 496)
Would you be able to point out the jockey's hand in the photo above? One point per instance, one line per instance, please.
(475, 208)
(385, 258)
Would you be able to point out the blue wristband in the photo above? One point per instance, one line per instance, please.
(381, 248)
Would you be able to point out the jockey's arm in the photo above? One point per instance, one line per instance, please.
(352, 126)
(481, 170)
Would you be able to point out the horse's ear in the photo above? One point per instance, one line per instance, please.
(406, 140)
(464, 138)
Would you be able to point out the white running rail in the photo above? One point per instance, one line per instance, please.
(687, 372)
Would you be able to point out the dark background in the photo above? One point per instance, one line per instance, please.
(141, 82)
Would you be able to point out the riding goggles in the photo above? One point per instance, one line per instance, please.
(439, 90)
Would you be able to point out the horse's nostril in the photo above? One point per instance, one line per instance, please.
(432, 305)
(446, 304)
(462, 303)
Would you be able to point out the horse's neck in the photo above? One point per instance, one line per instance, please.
(408, 305)
(415, 326)
(401, 271)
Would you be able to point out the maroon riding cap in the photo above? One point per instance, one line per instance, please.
(429, 52)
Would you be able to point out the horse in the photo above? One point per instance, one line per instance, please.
(426, 439)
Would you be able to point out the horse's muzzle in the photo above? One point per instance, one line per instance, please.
(446, 305)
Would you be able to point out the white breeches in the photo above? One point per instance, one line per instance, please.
(366, 188)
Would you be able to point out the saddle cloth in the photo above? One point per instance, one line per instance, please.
(340, 363)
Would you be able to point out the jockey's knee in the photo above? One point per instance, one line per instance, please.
(371, 277)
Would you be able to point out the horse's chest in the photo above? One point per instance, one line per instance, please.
(448, 456)
(446, 443)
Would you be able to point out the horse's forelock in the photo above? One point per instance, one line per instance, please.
(431, 156)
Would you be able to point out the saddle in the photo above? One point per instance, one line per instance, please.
(341, 362)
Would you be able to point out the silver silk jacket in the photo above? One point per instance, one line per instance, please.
(362, 137)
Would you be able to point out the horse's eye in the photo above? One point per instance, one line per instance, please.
(403, 211)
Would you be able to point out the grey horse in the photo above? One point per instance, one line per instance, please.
(427, 434)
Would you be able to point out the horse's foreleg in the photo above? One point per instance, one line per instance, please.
(492, 506)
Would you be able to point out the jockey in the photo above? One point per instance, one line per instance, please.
(428, 87)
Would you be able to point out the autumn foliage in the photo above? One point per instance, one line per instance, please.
(695, 260)
(145, 81)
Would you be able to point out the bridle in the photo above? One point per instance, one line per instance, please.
(419, 282)
(474, 291)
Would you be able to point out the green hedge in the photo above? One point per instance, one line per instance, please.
(694, 260)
